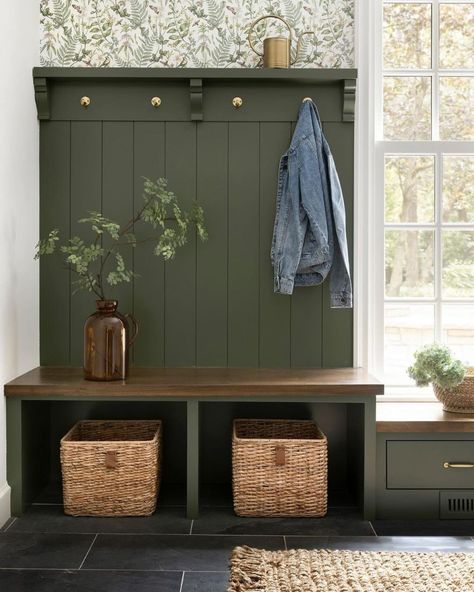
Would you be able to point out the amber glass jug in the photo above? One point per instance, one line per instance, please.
(108, 336)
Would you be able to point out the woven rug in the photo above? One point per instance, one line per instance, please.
(257, 570)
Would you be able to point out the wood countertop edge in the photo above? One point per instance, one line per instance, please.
(198, 382)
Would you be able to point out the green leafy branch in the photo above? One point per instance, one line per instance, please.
(101, 261)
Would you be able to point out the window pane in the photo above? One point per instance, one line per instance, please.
(456, 36)
(409, 263)
(458, 189)
(409, 188)
(407, 36)
(458, 330)
(407, 108)
(407, 328)
(456, 118)
(458, 264)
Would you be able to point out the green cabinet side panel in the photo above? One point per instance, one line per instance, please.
(214, 304)
(55, 166)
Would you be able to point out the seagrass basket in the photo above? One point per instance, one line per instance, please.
(459, 399)
(279, 468)
(111, 468)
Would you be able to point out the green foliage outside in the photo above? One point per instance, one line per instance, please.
(410, 180)
(100, 262)
(435, 364)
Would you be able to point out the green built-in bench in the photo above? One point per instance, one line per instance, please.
(31, 400)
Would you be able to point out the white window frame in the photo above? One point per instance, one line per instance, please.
(371, 149)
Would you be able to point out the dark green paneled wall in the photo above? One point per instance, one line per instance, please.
(214, 304)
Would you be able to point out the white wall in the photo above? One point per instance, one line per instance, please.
(19, 211)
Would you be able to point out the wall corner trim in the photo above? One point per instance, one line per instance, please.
(348, 110)
(41, 96)
(5, 512)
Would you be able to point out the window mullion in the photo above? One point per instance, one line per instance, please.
(438, 262)
(435, 73)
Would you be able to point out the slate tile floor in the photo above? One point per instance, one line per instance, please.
(44, 550)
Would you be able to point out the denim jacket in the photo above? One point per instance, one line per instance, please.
(309, 236)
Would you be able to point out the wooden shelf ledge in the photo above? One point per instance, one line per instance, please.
(196, 382)
(421, 417)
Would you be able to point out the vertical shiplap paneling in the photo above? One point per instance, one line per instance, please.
(337, 336)
(149, 289)
(54, 213)
(306, 323)
(275, 319)
(86, 194)
(244, 227)
(211, 266)
(117, 195)
(180, 274)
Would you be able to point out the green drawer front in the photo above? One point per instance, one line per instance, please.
(268, 101)
(121, 100)
(418, 464)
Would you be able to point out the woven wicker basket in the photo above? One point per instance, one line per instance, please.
(459, 399)
(111, 468)
(279, 468)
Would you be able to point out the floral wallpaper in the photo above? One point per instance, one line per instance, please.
(189, 33)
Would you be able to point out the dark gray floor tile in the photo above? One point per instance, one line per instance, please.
(336, 522)
(419, 544)
(171, 552)
(205, 581)
(88, 581)
(169, 520)
(61, 551)
(424, 527)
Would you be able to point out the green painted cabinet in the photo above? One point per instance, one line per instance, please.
(413, 481)
(214, 304)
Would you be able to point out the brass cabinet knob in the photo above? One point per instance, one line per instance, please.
(237, 102)
(85, 102)
(156, 101)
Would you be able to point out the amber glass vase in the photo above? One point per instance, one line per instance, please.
(108, 336)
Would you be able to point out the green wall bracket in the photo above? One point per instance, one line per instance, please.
(348, 109)
(41, 97)
(195, 91)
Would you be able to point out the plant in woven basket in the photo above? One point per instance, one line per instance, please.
(453, 382)
(435, 364)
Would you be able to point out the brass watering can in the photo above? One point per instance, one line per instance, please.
(277, 50)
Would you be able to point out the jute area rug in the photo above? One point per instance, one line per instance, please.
(257, 570)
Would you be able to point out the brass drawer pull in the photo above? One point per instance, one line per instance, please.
(85, 102)
(449, 465)
(156, 101)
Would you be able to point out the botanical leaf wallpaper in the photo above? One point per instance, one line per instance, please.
(189, 33)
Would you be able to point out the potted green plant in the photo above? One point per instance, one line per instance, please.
(99, 265)
(453, 381)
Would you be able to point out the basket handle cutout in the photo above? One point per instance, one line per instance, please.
(111, 459)
(280, 455)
